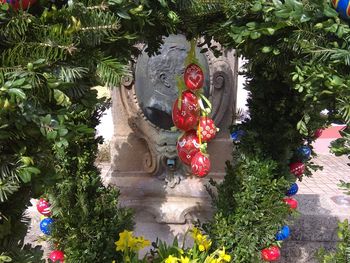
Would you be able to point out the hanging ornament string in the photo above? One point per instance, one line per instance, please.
(199, 136)
(191, 56)
(204, 111)
(181, 87)
(190, 114)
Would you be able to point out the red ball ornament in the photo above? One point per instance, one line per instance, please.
(194, 77)
(271, 253)
(293, 204)
(297, 168)
(186, 118)
(318, 133)
(57, 255)
(17, 4)
(200, 164)
(207, 128)
(43, 207)
(188, 146)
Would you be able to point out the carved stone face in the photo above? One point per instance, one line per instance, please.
(155, 79)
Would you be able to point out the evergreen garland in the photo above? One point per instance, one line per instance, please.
(298, 64)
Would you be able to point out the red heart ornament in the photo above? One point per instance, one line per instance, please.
(188, 146)
(194, 77)
(293, 204)
(207, 128)
(200, 165)
(43, 207)
(271, 253)
(187, 116)
(297, 168)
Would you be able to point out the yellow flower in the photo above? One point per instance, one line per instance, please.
(204, 244)
(171, 259)
(201, 240)
(223, 256)
(184, 260)
(140, 243)
(125, 240)
(211, 259)
(195, 231)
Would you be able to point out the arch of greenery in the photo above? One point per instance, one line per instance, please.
(298, 55)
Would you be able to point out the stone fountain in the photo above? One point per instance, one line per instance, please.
(145, 166)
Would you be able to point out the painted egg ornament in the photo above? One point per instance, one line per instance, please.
(207, 128)
(194, 77)
(200, 164)
(297, 168)
(19, 4)
(293, 204)
(342, 7)
(271, 253)
(43, 207)
(283, 233)
(236, 136)
(45, 225)
(187, 116)
(57, 256)
(304, 151)
(318, 133)
(293, 189)
(188, 146)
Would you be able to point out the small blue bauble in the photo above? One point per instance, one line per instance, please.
(342, 7)
(304, 151)
(283, 233)
(237, 135)
(45, 225)
(293, 189)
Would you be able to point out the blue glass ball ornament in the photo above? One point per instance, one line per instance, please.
(45, 225)
(342, 7)
(283, 233)
(293, 189)
(304, 151)
(237, 135)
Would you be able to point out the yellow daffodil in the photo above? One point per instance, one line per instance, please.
(201, 240)
(195, 231)
(203, 243)
(140, 243)
(171, 259)
(125, 240)
(223, 256)
(184, 260)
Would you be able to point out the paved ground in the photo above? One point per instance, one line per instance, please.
(327, 180)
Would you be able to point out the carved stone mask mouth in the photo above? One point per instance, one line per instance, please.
(159, 116)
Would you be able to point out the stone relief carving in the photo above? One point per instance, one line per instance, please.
(147, 99)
